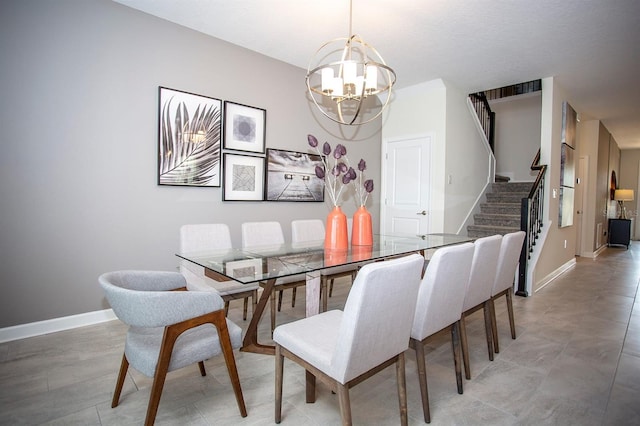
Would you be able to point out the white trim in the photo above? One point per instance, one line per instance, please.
(39, 328)
(533, 259)
(593, 255)
(555, 274)
(491, 173)
(474, 210)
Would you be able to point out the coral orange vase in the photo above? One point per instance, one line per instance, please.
(362, 229)
(336, 233)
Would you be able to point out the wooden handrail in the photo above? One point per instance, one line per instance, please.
(486, 116)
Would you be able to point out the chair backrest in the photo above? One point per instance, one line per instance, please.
(377, 316)
(304, 230)
(204, 236)
(483, 271)
(442, 290)
(261, 234)
(197, 238)
(508, 261)
(144, 299)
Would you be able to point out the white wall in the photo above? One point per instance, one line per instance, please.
(554, 252)
(79, 111)
(441, 110)
(418, 111)
(517, 135)
(469, 162)
(587, 136)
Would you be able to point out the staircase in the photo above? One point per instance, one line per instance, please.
(501, 212)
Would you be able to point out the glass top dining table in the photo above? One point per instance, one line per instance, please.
(268, 263)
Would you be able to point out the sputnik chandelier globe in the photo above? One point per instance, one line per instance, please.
(348, 80)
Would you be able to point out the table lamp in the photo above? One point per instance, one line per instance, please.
(622, 195)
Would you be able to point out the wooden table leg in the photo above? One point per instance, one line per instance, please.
(250, 342)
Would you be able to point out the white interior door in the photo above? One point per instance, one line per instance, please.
(405, 194)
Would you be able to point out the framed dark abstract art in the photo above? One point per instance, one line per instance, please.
(244, 128)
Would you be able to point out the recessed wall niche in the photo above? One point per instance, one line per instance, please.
(567, 166)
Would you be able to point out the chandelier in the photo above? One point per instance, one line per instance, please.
(348, 80)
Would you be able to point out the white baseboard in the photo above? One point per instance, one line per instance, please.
(555, 274)
(39, 328)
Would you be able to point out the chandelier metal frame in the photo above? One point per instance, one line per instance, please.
(340, 86)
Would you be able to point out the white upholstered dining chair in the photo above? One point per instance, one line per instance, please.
(265, 234)
(478, 293)
(343, 348)
(503, 286)
(203, 238)
(169, 329)
(306, 230)
(439, 306)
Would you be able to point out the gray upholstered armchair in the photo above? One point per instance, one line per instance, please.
(169, 329)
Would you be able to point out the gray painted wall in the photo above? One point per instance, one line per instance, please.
(79, 138)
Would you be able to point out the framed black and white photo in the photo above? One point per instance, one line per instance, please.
(291, 176)
(189, 133)
(243, 178)
(244, 127)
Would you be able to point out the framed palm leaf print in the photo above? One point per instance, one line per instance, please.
(189, 133)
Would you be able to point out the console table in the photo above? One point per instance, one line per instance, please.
(619, 232)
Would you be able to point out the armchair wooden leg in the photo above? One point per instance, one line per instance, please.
(345, 404)
(124, 366)
(279, 378)
(203, 371)
(229, 359)
(226, 307)
(160, 375)
(245, 308)
(455, 343)
(293, 297)
(465, 347)
(402, 389)
(422, 378)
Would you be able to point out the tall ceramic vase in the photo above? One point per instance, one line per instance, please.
(362, 229)
(336, 233)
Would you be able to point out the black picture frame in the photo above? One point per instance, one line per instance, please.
(291, 176)
(189, 139)
(244, 128)
(243, 178)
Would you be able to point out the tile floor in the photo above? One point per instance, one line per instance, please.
(576, 361)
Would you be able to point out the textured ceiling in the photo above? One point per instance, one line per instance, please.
(591, 46)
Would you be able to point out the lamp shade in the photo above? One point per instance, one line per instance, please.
(623, 195)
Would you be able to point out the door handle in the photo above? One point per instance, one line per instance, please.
(423, 213)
